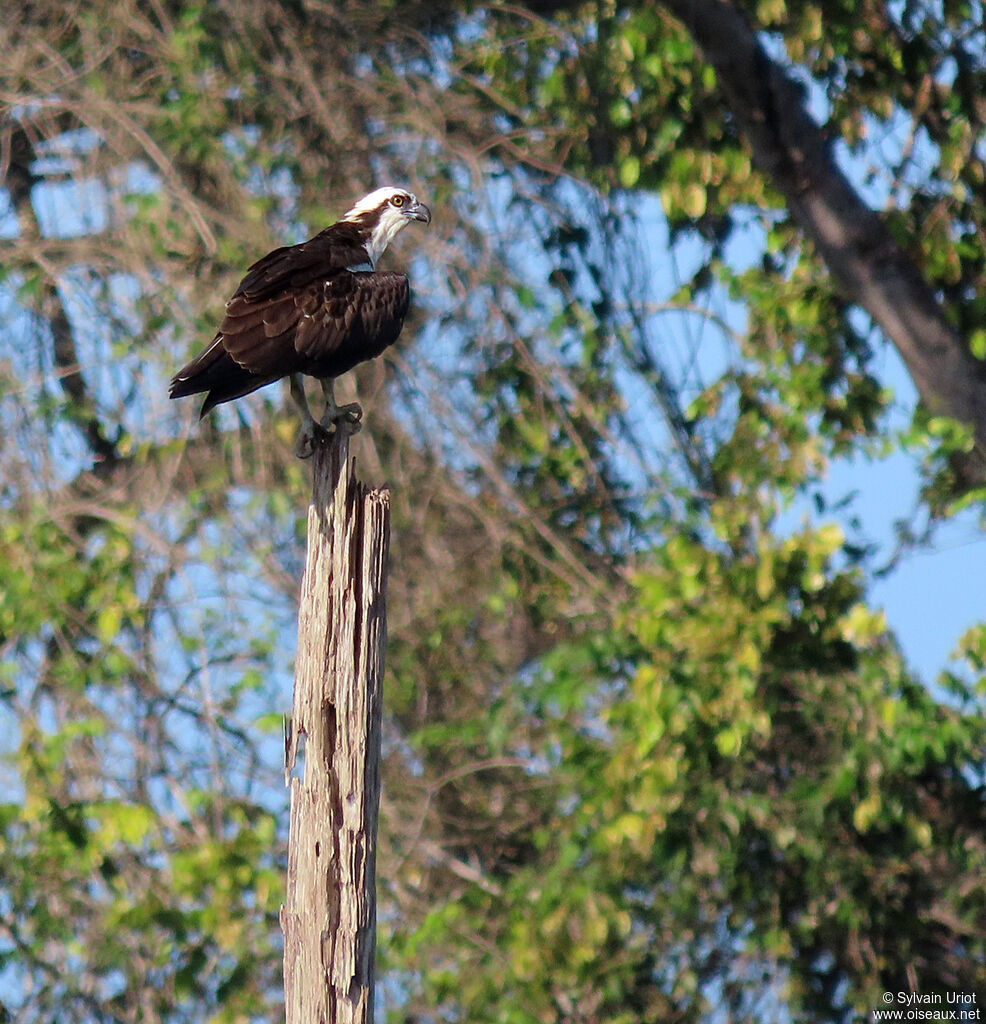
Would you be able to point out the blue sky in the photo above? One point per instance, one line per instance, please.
(934, 591)
(930, 597)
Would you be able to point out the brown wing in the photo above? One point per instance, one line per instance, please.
(298, 309)
(295, 266)
(323, 328)
(264, 317)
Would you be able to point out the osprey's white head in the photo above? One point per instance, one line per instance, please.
(383, 213)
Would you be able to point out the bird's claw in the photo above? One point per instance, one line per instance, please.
(312, 435)
(344, 417)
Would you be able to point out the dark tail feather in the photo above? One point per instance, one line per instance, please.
(206, 370)
(215, 371)
(230, 389)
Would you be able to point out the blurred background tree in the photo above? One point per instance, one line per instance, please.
(650, 754)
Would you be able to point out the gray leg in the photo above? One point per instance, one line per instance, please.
(304, 446)
(338, 414)
(300, 399)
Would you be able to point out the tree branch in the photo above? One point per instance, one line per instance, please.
(19, 155)
(869, 265)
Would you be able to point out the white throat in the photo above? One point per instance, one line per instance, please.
(390, 223)
(386, 230)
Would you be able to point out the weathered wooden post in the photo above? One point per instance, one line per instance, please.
(329, 919)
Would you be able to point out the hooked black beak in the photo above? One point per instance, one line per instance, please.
(419, 212)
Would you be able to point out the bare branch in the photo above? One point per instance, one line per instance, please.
(872, 269)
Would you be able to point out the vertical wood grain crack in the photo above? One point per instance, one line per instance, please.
(329, 917)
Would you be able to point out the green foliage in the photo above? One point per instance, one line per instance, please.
(651, 753)
(745, 777)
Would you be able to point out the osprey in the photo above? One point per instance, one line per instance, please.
(317, 308)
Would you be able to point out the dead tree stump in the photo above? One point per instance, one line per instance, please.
(329, 919)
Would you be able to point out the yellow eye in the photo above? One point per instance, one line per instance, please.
(397, 200)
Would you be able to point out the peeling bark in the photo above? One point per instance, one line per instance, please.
(329, 920)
